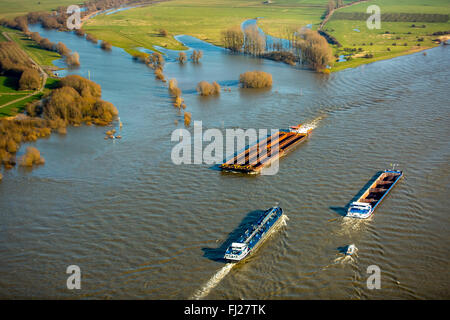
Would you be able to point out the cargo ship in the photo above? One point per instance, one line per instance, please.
(254, 158)
(252, 238)
(364, 207)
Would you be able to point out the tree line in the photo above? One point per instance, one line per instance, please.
(303, 45)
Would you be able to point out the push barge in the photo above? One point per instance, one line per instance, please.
(364, 207)
(254, 235)
(254, 158)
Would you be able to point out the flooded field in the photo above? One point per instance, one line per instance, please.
(142, 227)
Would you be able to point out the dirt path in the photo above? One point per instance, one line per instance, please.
(328, 16)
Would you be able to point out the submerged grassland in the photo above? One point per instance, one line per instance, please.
(141, 27)
(409, 27)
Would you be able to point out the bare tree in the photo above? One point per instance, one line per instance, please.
(182, 57)
(233, 38)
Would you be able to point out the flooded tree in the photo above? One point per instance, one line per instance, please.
(80, 32)
(155, 61)
(31, 157)
(182, 57)
(175, 92)
(73, 60)
(233, 38)
(187, 118)
(62, 49)
(173, 88)
(254, 41)
(196, 56)
(207, 89)
(314, 49)
(105, 45)
(91, 38)
(255, 79)
(159, 74)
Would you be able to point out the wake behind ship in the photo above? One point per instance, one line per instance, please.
(254, 235)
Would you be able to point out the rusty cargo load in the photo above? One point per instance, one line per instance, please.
(264, 152)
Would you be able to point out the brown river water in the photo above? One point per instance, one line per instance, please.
(139, 226)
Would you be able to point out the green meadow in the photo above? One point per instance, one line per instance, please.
(9, 85)
(139, 27)
(14, 8)
(395, 38)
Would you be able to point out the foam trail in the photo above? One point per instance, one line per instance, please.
(310, 125)
(219, 275)
(213, 282)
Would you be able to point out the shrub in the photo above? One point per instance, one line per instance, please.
(196, 55)
(207, 89)
(163, 32)
(284, 56)
(80, 32)
(255, 79)
(62, 49)
(73, 60)
(182, 58)
(105, 45)
(187, 118)
(159, 74)
(31, 157)
(91, 38)
(178, 101)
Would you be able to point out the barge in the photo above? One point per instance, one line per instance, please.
(364, 207)
(254, 158)
(252, 238)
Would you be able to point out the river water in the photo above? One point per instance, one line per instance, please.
(139, 226)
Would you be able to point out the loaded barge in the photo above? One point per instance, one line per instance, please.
(254, 235)
(254, 158)
(364, 207)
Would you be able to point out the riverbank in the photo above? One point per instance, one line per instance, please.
(140, 27)
(406, 27)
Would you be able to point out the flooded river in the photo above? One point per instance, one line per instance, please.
(139, 226)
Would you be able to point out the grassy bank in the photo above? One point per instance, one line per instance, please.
(140, 27)
(9, 92)
(9, 86)
(395, 38)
